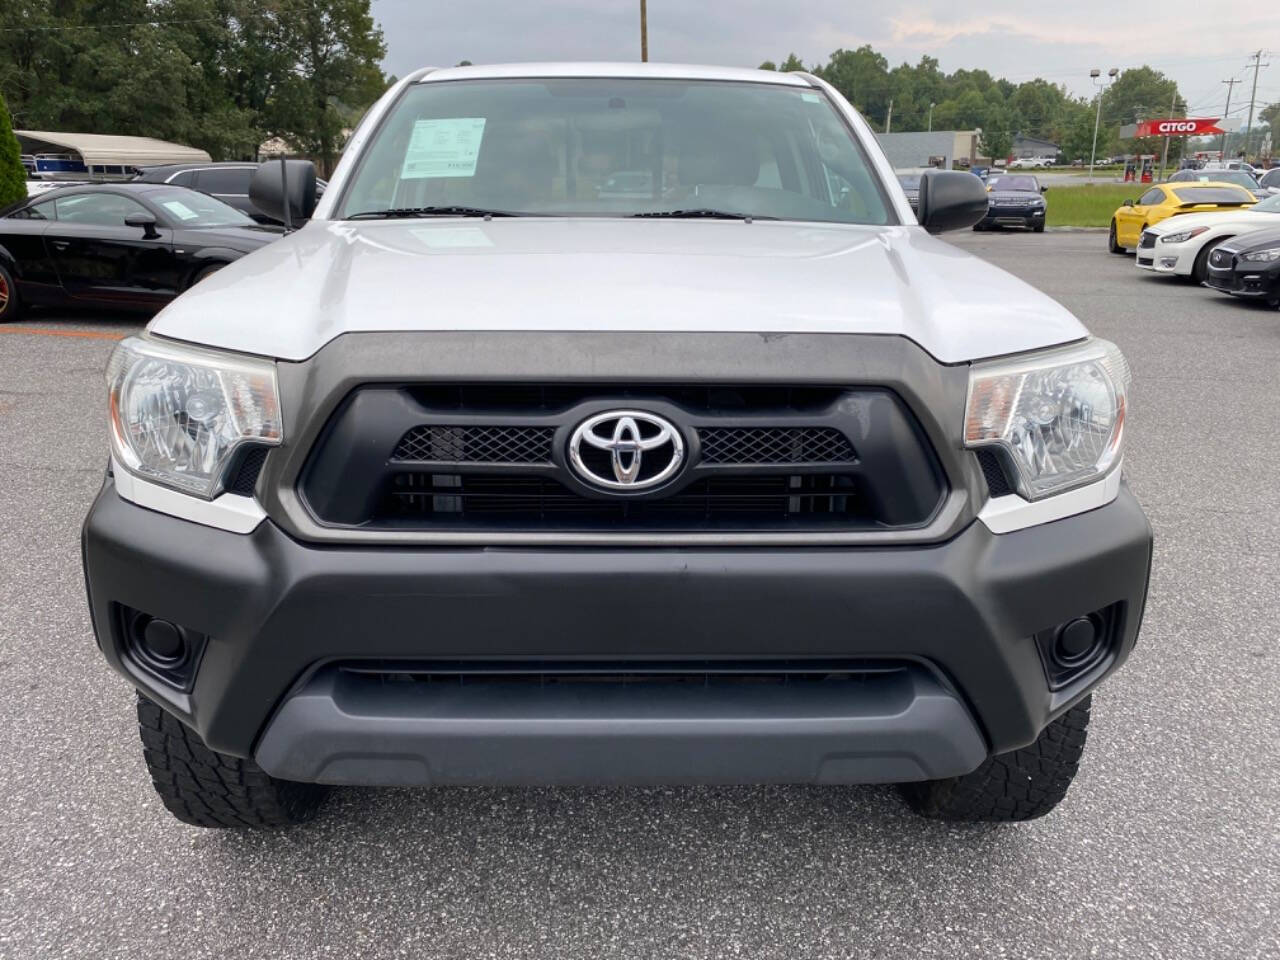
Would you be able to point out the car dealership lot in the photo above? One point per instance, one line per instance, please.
(1167, 846)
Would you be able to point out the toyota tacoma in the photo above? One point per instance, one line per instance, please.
(490, 472)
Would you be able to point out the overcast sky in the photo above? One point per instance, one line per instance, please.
(1197, 42)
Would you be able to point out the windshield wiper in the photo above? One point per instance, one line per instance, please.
(446, 211)
(695, 213)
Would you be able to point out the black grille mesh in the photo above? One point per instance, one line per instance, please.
(477, 499)
(467, 444)
(1147, 241)
(993, 471)
(775, 445)
(246, 476)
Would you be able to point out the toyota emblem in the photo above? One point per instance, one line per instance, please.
(626, 450)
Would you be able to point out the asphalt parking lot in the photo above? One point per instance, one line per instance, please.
(1168, 846)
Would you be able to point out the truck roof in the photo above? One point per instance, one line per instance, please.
(651, 71)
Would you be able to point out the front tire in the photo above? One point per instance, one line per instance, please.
(10, 305)
(1021, 785)
(1200, 269)
(1112, 245)
(205, 788)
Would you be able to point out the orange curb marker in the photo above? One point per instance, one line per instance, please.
(82, 334)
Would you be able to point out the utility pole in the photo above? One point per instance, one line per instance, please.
(888, 121)
(1257, 65)
(1231, 85)
(1173, 105)
(644, 32)
(1096, 76)
(931, 106)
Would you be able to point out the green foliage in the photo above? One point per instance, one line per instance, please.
(970, 99)
(223, 75)
(13, 179)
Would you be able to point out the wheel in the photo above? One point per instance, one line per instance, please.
(1111, 241)
(10, 306)
(1020, 785)
(1038, 228)
(205, 272)
(1200, 269)
(977, 227)
(205, 788)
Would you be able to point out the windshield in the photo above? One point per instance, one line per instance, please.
(1206, 194)
(190, 208)
(1015, 183)
(616, 147)
(1269, 205)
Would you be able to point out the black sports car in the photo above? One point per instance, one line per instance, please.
(1248, 266)
(1016, 200)
(131, 246)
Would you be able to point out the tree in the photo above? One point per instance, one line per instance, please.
(997, 134)
(792, 64)
(335, 48)
(13, 178)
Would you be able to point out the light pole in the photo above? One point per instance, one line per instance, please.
(931, 106)
(1096, 76)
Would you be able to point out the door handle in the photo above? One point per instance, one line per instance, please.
(59, 244)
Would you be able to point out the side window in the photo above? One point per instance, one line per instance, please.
(1151, 198)
(99, 209)
(230, 181)
(43, 210)
(187, 178)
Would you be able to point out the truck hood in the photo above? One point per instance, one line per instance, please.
(290, 298)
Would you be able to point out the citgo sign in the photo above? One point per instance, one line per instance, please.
(1178, 127)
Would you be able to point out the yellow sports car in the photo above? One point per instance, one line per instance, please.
(1168, 200)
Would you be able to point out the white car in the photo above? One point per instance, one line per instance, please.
(479, 477)
(1030, 163)
(37, 187)
(1181, 245)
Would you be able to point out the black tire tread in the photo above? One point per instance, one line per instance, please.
(1020, 785)
(14, 306)
(205, 788)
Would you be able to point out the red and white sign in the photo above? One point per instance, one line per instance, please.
(1178, 127)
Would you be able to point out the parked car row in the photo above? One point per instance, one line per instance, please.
(1013, 200)
(1214, 232)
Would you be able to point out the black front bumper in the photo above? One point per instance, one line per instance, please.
(957, 620)
(1027, 217)
(1251, 284)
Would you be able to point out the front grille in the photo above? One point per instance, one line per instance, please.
(1147, 241)
(993, 472)
(495, 458)
(468, 444)
(716, 502)
(245, 476)
(752, 445)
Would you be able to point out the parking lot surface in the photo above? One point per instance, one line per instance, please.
(1168, 845)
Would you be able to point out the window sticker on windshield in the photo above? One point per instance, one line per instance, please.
(443, 148)
(809, 97)
(179, 209)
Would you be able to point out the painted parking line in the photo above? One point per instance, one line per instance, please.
(82, 334)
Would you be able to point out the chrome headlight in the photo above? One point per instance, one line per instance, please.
(178, 413)
(1269, 255)
(1182, 236)
(1059, 414)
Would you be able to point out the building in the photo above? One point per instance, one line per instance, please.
(946, 149)
(53, 156)
(1027, 148)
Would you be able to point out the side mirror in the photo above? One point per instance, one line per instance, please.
(1044, 188)
(950, 200)
(1128, 203)
(144, 222)
(284, 190)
